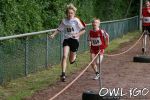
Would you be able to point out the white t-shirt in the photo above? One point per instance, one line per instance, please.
(70, 27)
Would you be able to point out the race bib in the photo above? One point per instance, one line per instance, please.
(146, 19)
(96, 41)
(69, 31)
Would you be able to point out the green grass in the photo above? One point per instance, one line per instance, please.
(115, 44)
(26, 86)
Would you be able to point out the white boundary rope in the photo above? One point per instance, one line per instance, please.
(118, 54)
(72, 82)
(65, 88)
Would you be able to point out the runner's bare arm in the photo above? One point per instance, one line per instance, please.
(81, 32)
(53, 34)
(89, 41)
(107, 40)
(148, 11)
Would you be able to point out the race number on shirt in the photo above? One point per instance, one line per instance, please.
(96, 41)
(146, 19)
(69, 29)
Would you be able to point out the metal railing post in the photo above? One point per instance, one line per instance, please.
(138, 24)
(46, 61)
(61, 49)
(140, 21)
(26, 55)
(1, 76)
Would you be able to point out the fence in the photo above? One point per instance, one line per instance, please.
(27, 53)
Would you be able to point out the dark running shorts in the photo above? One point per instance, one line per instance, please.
(146, 28)
(72, 43)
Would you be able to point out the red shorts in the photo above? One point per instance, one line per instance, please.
(95, 51)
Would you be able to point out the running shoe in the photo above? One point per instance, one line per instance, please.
(63, 78)
(96, 77)
(143, 50)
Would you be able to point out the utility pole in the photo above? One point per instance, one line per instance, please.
(140, 21)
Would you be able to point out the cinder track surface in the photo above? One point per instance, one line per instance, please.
(117, 72)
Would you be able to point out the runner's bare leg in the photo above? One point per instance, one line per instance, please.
(94, 63)
(101, 58)
(64, 58)
(72, 56)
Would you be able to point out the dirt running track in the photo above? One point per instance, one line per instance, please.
(117, 72)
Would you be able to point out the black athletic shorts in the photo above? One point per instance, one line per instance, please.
(146, 28)
(72, 43)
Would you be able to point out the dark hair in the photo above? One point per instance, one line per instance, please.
(147, 1)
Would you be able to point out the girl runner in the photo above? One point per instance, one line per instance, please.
(72, 28)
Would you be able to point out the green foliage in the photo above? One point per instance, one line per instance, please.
(21, 16)
(116, 9)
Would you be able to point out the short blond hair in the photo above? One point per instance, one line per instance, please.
(72, 7)
(96, 19)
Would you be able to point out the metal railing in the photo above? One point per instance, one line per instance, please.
(26, 53)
